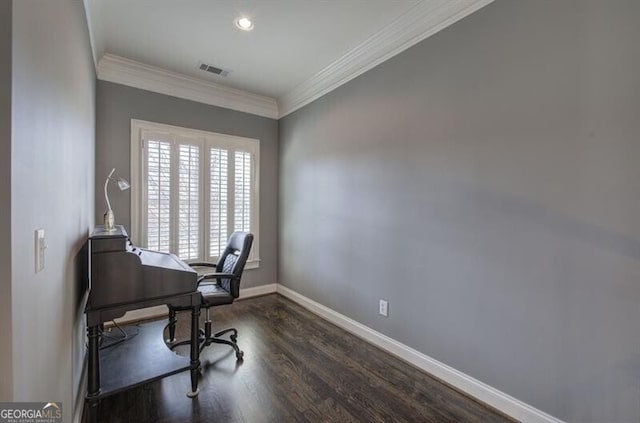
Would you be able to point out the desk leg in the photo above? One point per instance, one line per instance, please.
(93, 383)
(195, 351)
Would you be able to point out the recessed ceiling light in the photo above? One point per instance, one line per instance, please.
(244, 23)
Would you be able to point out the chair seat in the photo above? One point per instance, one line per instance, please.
(218, 288)
(213, 295)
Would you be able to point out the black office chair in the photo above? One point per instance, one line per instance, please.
(218, 288)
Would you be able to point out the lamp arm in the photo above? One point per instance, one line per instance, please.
(106, 197)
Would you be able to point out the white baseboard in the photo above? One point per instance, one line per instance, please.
(142, 314)
(473, 387)
(82, 388)
(161, 311)
(257, 291)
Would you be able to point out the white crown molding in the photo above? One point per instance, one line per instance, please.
(124, 71)
(507, 404)
(421, 21)
(418, 23)
(92, 44)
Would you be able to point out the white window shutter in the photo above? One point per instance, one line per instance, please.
(158, 178)
(218, 183)
(188, 202)
(242, 192)
(193, 189)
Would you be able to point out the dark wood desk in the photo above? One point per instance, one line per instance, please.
(124, 278)
(131, 360)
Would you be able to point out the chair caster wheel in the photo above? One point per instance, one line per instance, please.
(240, 356)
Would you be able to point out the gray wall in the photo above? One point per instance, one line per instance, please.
(5, 201)
(118, 104)
(52, 179)
(486, 183)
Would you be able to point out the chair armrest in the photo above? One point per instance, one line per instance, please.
(202, 264)
(215, 276)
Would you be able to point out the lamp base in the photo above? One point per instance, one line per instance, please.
(109, 220)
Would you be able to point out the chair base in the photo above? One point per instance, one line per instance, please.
(232, 342)
(206, 338)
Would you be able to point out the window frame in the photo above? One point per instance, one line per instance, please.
(176, 136)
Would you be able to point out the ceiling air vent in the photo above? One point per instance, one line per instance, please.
(212, 69)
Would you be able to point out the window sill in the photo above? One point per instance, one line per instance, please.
(253, 264)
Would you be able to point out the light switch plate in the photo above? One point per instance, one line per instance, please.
(40, 247)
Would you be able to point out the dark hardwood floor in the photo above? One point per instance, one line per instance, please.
(297, 367)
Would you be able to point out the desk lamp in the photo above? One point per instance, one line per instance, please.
(123, 184)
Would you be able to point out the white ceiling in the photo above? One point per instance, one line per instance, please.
(293, 40)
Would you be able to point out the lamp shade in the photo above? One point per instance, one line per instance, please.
(123, 184)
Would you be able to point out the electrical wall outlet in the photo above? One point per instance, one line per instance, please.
(41, 245)
(384, 308)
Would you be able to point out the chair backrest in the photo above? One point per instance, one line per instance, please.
(233, 259)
